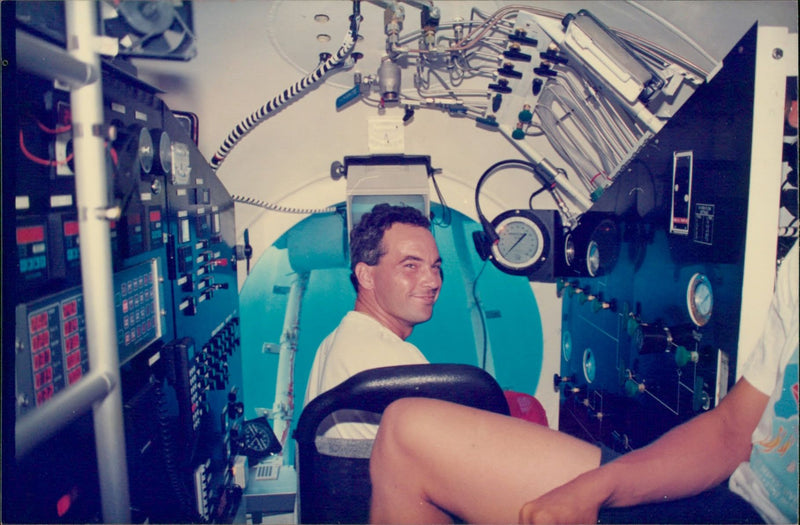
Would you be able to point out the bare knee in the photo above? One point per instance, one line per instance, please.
(394, 438)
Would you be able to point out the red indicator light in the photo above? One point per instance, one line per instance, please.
(155, 215)
(39, 322)
(41, 359)
(30, 234)
(39, 341)
(73, 359)
(44, 394)
(72, 343)
(43, 378)
(74, 375)
(69, 309)
(70, 228)
(71, 326)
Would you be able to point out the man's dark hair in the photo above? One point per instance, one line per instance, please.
(366, 238)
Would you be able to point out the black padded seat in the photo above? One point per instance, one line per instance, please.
(334, 484)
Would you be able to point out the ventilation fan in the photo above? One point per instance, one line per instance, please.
(151, 28)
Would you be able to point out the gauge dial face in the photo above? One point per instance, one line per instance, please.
(592, 258)
(700, 299)
(165, 152)
(566, 345)
(569, 250)
(521, 242)
(589, 365)
(257, 439)
(146, 151)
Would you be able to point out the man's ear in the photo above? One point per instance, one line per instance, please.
(363, 272)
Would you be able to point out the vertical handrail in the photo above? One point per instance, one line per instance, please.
(283, 410)
(91, 188)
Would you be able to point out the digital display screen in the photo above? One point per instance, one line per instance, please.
(72, 343)
(39, 322)
(74, 375)
(41, 359)
(44, 394)
(70, 228)
(40, 340)
(43, 377)
(71, 326)
(73, 359)
(69, 309)
(30, 234)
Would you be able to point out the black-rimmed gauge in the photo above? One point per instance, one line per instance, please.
(257, 440)
(146, 151)
(569, 250)
(164, 146)
(566, 345)
(589, 365)
(523, 242)
(593, 258)
(699, 299)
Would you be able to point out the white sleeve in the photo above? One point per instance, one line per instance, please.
(762, 367)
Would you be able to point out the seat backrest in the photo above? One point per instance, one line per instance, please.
(336, 488)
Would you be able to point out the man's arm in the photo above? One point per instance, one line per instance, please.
(687, 460)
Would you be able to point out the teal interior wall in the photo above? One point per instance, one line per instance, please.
(505, 303)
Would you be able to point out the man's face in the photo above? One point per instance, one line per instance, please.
(406, 281)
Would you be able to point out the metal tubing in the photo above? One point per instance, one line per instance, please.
(62, 409)
(283, 409)
(46, 60)
(91, 182)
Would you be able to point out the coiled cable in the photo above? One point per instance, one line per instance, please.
(287, 95)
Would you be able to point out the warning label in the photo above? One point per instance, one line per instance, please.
(703, 224)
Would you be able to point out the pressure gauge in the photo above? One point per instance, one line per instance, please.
(164, 146)
(593, 258)
(589, 365)
(699, 299)
(146, 151)
(257, 440)
(523, 242)
(566, 345)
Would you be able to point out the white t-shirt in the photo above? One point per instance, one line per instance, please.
(359, 343)
(769, 480)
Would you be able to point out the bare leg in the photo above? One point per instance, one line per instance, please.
(431, 456)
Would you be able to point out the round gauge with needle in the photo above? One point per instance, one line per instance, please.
(257, 440)
(589, 365)
(522, 242)
(699, 299)
(164, 146)
(146, 151)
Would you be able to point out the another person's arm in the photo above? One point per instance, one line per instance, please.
(690, 458)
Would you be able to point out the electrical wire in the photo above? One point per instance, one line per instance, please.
(39, 160)
(482, 315)
(283, 209)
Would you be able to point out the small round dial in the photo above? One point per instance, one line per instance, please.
(699, 299)
(164, 145)
(566, 345)
(257, 440)
(593, 258)
(589, 365)
(146, 151)
(522, 242)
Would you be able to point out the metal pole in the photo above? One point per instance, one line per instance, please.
(91, 181)
(46, 60)
(62, 409)
(283, 409)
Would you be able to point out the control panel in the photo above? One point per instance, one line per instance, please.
(172, 237)
(652, 302)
